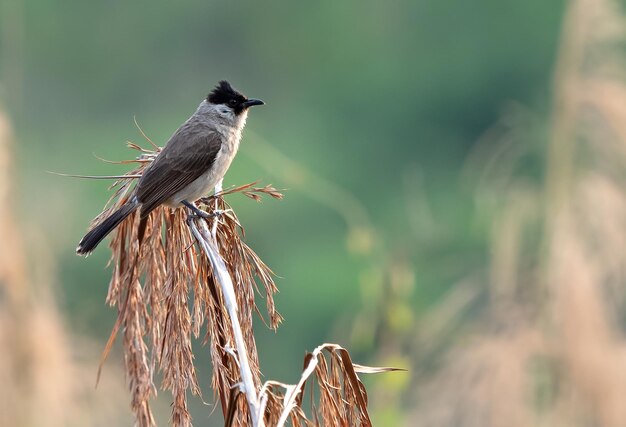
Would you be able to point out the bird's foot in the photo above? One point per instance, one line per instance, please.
(195, 212)
(198, 213)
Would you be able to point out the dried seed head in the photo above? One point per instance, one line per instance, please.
(165, 291)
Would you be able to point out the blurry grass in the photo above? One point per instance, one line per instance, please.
(45, 370)
(548, 349)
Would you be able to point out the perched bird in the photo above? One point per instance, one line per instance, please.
(193, 161)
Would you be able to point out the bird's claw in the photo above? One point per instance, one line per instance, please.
(196, 213)
(199, 215)
(206, 215)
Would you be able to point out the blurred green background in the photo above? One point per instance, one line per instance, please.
(376, 105)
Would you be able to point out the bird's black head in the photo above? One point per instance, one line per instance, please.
(226, 95)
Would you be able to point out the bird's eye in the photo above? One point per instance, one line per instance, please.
(232, 103)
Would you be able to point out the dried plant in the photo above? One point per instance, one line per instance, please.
(191, 276)
(174, 271)
(342, 395)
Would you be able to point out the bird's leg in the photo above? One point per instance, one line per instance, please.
(195, 211)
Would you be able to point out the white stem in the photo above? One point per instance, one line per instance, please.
(207, 241)
(292, 391)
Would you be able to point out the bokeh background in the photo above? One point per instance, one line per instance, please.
(454, 204)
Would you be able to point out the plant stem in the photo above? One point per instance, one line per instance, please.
(208, 244)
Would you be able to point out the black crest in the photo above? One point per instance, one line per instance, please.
(225, 94)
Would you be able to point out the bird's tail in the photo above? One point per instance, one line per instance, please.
(99, 232)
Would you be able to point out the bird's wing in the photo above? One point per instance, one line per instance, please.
(184, 159)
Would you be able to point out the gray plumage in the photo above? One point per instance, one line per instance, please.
(193, 161)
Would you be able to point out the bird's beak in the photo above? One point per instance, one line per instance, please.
(250, 102)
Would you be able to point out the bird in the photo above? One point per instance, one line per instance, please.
(191, 163)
